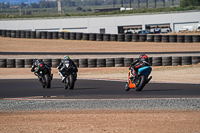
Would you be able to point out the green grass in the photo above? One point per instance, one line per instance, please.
(72, 11)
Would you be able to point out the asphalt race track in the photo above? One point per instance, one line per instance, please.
(94, 89)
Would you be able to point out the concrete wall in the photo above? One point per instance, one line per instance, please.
(109, 23)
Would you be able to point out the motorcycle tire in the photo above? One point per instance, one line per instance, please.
(141, 83)
(66, 82)
(71, 82)
(127, 87)
(47, 81)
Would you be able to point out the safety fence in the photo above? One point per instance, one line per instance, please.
(108, 62)
(165, 38)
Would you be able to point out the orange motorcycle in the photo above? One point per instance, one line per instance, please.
(138, 82)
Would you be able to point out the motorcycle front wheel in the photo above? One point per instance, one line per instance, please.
(127, 87)
(71, 81)
(140, 83)
(47, 81)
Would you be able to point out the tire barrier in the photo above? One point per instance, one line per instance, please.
(76, 61)
(92, 37)
(186, 60)
(196, 38)
(150, 61)
(38, 34)
(113, 37)
(19, 63)
(13, 33)
(55, 63)
(8, 33)
(121, 38)
(48, 62)
(157, 61)
(157, 38)
(79, 36)
(165, 38)
(10, 63)
(195, 59)
(172, 38)
(127, 62)
(110, 62)
(33, 34)
(60, 35)
(143, 38)
(54, 35)
(86, 36)
(167, 61)
(176, 61)
(119, 62)
(180, 38)
(3, 63)
(66, 36)
(92, 62)
(101, 62)
(128, 37)
(83, 63)
(3, 33)
(135, 38)
(23, 34)
(72, 35)
(188, 38)
(106, 37)
(49, 35)
(43, 35)
(150, 38)
(28, 63)
(99, 37)
(18, 34)
(28, 34)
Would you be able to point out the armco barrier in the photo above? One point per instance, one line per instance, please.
(108, 62)
(166, 38)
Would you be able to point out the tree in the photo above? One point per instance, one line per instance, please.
(185, 3)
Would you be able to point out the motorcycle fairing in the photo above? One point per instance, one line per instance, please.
(146, 70)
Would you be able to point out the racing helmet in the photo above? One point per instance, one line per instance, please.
(144, 57)
(66, 57)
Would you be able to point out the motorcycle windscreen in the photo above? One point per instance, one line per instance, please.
(146, 70)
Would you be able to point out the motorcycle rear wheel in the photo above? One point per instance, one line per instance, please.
(141, 81)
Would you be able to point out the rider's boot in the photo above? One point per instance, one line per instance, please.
(62, 77)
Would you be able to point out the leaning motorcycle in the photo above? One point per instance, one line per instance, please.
(70, 77)
(46, 78)
(139, 81)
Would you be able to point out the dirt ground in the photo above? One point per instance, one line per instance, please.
(98, 121)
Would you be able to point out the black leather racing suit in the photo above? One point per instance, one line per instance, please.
(40, 65)
(63, 66)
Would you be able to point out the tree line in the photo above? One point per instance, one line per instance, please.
(82, 3)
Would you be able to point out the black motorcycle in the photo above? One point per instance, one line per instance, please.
(70, 77)
(46, 78)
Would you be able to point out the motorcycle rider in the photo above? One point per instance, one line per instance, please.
(40, 65)
(64, 65)
(142, 61)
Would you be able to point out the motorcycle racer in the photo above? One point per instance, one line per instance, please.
(142, 61)
(40, 65)
(64, 65)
